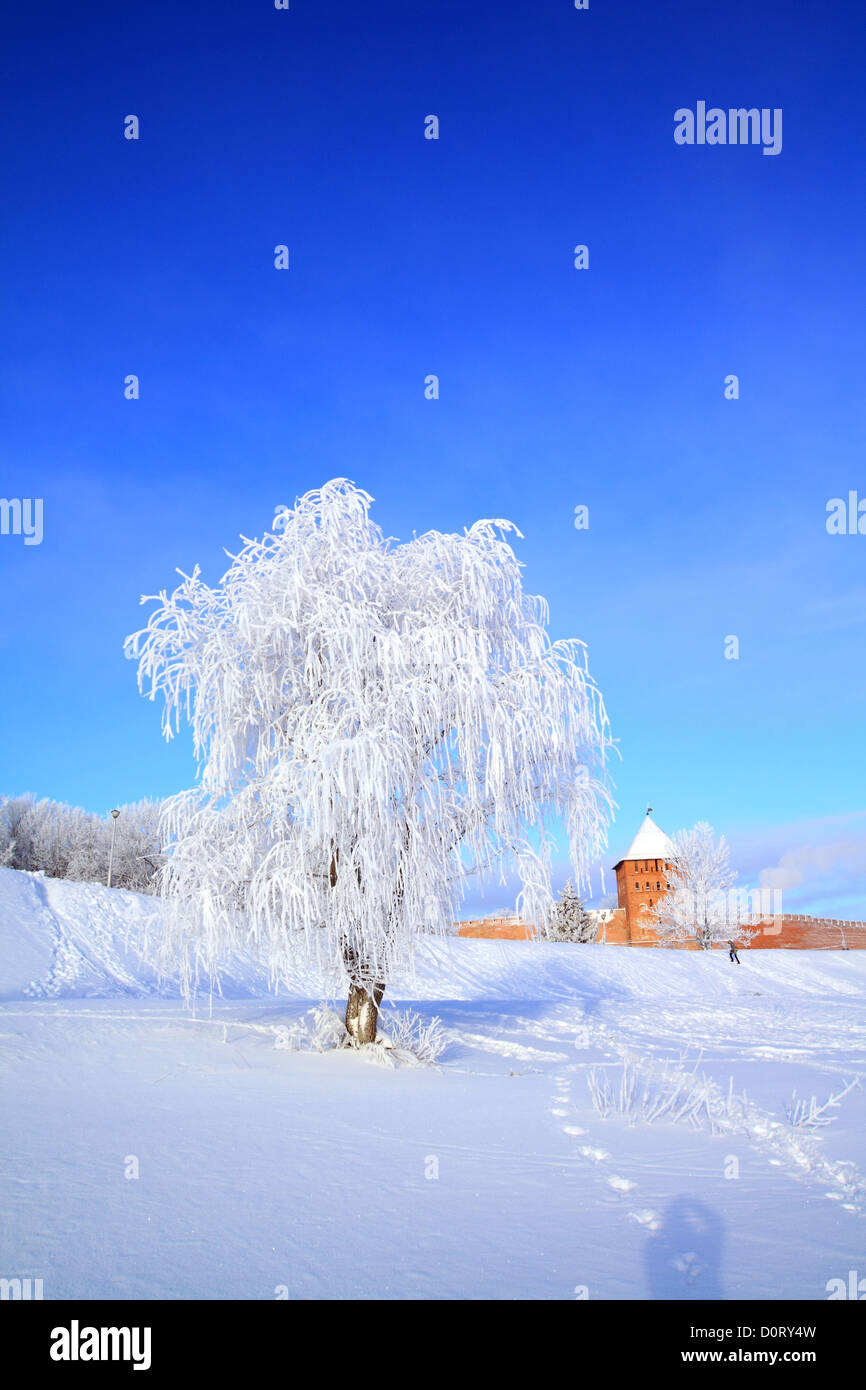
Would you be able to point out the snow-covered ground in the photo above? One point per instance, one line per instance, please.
(266, 1170)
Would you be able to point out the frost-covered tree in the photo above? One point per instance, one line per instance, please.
(374, 722)
(570, 920)
(699, 906)
(17, 825)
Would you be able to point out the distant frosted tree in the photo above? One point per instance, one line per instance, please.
(66, 842)
(374, 721)
(46, 836)
(137, 849)
(698, 906)
(570, 920)
(16, 831)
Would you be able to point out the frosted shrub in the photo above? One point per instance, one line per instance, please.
(803, 1114)
(327, 1029)
(408, 1033)
(408, 1039)
(646, 1090)
(320, 1030)
(680, 1097)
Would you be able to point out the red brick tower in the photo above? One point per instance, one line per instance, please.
(642, 877)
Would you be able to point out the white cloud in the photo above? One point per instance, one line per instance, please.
(820, 865)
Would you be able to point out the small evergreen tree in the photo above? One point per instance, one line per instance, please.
(570, 920)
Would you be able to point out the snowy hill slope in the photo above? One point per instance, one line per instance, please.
(618, 1123)
(66, 940)
(60, 939)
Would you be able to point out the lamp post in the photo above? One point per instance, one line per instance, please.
(115, 814)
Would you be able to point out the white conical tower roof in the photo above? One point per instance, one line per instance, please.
(650, 842)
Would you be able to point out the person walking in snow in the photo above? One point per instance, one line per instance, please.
(732, 954)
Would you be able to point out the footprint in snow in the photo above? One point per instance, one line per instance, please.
(689, 1265)
(597, 1155)
(573, 1129)
(621, 1184)
(650, 1219)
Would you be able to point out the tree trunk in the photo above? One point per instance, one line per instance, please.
(362, 1007)
(362, 1013)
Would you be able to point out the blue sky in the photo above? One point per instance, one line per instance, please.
(558, 387)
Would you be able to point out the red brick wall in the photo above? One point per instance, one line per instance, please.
(793, 933)
(504, 928)
(615, 930)
(810, 934)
